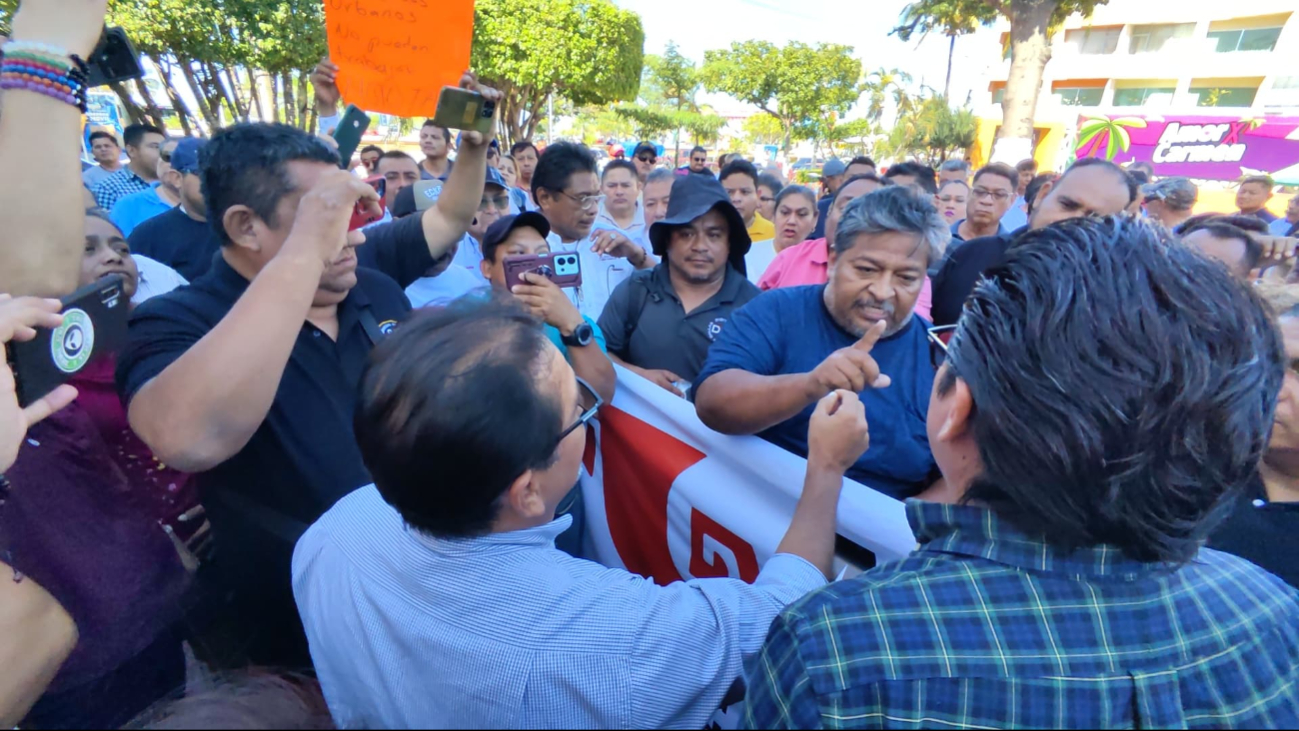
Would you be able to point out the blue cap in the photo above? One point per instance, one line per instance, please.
(184, 159)
(494, 177)
(833, 166)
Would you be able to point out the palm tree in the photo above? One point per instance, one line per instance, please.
(880, 84)
(1112, 134)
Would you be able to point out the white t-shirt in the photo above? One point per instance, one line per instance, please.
(760, 256)
(155, 278)
(600, 272)
(450, 285)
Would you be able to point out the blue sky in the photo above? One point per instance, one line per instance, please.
(699, 25)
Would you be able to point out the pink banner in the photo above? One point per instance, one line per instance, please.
(1207, 148)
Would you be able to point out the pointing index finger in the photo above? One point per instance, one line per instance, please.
(871, 337)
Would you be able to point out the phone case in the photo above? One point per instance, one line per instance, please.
(351, 127)
(563, 268)
(463, 109)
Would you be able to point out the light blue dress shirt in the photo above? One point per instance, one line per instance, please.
(137, 208)
(1280, 226)
(505, 631)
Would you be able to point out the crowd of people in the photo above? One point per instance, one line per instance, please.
(336, 460)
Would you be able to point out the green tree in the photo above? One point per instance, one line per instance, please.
(883, 84)
(588, 51)
(1032, 23)
(952, 19)
(763, 129)
(932, 132)
(792, 84)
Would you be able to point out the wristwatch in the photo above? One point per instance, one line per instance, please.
(581, 337)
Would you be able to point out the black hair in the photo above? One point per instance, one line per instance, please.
(559, 163)
(620, 164)
(802, 190)
(923, 174)
(134, 133)
(772, 183)
(1253, 224)
(102, 134)
(1028, 165)
(1000, 170)
(1218, 228)
(884, 182)
(1140, 177)
(490, 247)
(451, 413)
(953, 181)
(861, 160)
(518, 147)
(698, 148)
(395, 155)
(446, 133)
(247, 164)
(103, 215)
(739, 167)
(1123, 388)
(372, 148)
(1034, 186)
(1090, 162)
(1263, 180)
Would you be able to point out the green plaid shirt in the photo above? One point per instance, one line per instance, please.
(986, 627)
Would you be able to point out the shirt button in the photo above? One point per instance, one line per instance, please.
(315, 333)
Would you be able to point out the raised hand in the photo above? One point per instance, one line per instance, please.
(838, 434)
(72, 25)
(325, 212)
(851, 368)
(472, 138)
(19, 319)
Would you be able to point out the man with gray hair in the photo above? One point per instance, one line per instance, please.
(785, 350)
(953, 170)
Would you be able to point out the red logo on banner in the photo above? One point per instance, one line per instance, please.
(745, 559)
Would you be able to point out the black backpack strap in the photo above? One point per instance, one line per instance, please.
(372, 331)
(639, 298)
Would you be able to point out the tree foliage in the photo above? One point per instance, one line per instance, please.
(588, 51)
(1032, 23)
(931, 132)
(793, 84)
(763, 129)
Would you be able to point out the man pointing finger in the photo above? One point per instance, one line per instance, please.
(790, 347)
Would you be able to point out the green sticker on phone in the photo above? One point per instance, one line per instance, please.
(72, 342)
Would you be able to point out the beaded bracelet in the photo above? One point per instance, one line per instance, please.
(46, 70)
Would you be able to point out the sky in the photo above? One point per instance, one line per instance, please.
(699, 25)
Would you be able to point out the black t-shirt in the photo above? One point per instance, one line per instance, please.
(397, 249)
(645, 324)
(178, 241)
(961, 271)
(1262, 532)
(303, 457)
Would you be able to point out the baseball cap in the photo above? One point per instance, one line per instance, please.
(500, 231)
(1180, 193)
(494, 177)
(646, 147)
(833, 166)
(184, 159)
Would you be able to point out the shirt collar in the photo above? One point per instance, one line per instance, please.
(542, 536)
(818, 251)
(978, 532)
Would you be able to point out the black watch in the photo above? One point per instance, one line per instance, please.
(581, 337)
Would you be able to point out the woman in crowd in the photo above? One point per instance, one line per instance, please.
(951, 199)
(509, 170)
(795, 218)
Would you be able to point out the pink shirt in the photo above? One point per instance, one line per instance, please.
(808, 263)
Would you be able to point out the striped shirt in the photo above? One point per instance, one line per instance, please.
(506, 631)
(984, 626)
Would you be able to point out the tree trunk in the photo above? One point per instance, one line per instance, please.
(241, 105)
(290, 107)
(275, 96)
(133, 110)
(304, 102)
(255, 89)
(150, 106)
(165, 71)
(187, 70)
(951, 54)
(1030, 49)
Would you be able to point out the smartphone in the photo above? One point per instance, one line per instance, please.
(563, 268)
(94, 324)
(114, 59)
(353, 124)
(361, 216)
(463, 109)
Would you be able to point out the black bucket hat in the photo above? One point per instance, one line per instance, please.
(693, 196)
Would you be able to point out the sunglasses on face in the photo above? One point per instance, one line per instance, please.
(648, 158)
(938, 339)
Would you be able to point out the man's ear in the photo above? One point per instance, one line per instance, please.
(959, 410)
(240, 224)
(524, 498)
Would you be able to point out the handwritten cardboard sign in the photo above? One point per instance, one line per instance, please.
(394, 56)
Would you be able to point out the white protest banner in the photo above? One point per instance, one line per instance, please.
(668, 498)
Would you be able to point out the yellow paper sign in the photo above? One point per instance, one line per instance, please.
(394, 56)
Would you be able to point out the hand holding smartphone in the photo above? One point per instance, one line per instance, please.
(564, 268)
(351, 127)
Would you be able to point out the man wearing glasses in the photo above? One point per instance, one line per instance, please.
(646, 158)
(990, 197)
(566, 188)
(138, 207)
(435, 598)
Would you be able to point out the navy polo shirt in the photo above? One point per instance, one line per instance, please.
(789, 330)
(178, 241)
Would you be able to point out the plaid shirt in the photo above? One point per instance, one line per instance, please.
(986, 627)
(117, 186)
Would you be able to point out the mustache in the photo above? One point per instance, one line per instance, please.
(887, 308)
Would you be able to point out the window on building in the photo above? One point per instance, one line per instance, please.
(1255, 39)
(1143, 96)
(1079, 96)
(1151, 38)
(1094, 41)
(998, 96)
(1219, 96)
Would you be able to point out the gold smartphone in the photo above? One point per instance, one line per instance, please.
(463, 109)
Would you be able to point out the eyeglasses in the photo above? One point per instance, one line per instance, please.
(591, 403)
(938, 339)
(586, 202)
(648, 158)
(998, 195)
(502, 202)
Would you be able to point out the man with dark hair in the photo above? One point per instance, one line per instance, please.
(157, 199)
(567, 190)
(1252, 197)
(788, 348)
(646, 159)
(1088, 452)
(740, 179)
(108, 158)
(1090, 187)
(809, 262)
(769, 186)
(914, 175)
(248, 375)
(660, 322)
(1289, 224)
(1170, 201)
(953, 170)
(990, 196)
(435, 143)
(621, 209)
(442, 603)
(1219, 238)
(181, 238)
(833, 175)
(370, 155)
(1145, 168)
(143, 147)
(860, 165)
(698, 162)
(399, 172)
(1016, 216)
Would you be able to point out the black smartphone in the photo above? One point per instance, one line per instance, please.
(351, 126)
(463, 109)
(94, 324)
(114, 59)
